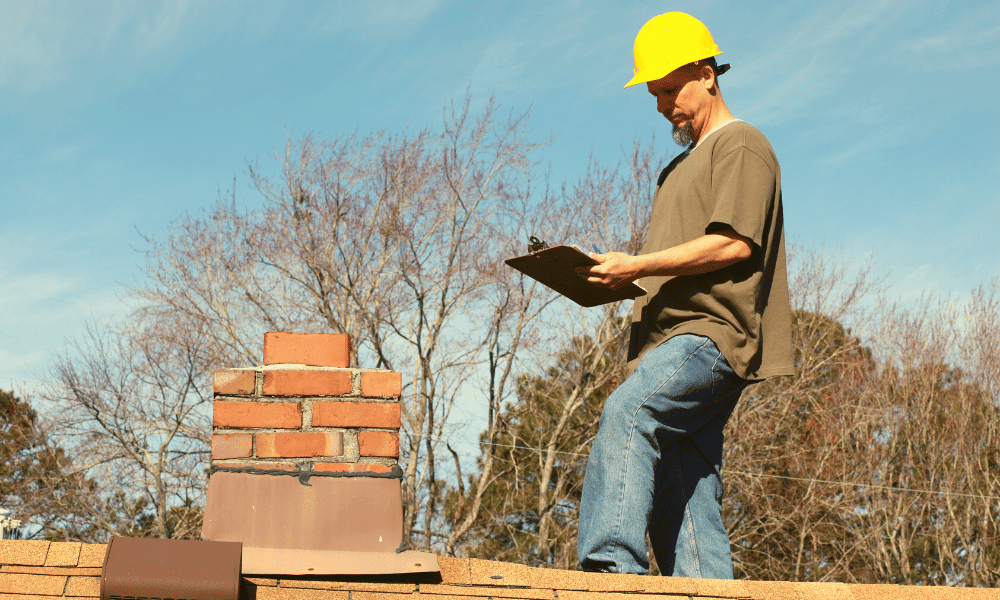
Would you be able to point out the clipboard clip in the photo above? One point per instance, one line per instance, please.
(536, 245)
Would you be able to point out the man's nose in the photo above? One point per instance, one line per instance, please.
(663, 105)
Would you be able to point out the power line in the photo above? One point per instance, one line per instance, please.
(802, 479)
(862, 485)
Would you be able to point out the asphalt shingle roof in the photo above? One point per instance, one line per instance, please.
(38, 570)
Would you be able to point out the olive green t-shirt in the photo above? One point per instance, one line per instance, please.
(731, 181)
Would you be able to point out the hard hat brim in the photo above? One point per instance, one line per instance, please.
(647, 75)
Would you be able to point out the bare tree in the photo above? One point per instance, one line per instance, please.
(873, 463)
(129, 404)
(937, 443)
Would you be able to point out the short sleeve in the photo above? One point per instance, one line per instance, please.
(743, 190)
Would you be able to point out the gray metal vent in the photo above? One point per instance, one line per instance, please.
(158, 569)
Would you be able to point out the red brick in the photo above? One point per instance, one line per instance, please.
(381, 384)
(378, 443)
(299, 444)
(385, 415)
(237, 445)
(307, 383)
(351, 468)
(234, 382)
(278, 415)
(313, 349)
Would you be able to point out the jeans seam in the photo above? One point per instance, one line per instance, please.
(692, 539)
(714, 373)
(628, 447)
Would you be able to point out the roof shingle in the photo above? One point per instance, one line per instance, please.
(23, 575)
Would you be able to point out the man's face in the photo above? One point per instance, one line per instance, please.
(679, 98)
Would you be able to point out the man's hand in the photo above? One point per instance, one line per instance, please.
(615, 269)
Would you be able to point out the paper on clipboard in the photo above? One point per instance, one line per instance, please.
(555, 268)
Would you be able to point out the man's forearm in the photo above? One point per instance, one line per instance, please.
(702, 255)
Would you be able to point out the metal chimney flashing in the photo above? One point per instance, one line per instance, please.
(146, 568)
(359, 514)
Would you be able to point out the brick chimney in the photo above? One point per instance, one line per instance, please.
(305, 409)
(304, 451)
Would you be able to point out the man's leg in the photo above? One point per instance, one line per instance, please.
(677, 389)
(686, 530)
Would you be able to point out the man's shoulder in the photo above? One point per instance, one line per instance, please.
(742, 134)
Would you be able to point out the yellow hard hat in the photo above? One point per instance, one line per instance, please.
(669, 41)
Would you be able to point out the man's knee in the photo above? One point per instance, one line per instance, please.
(622, 406)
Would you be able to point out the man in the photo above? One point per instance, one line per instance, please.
(716, 318)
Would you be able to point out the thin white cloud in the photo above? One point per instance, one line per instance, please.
(401, 11)
(44, 43)
(20, 360)
(924, 243)
(500, 68)
(790, 92)
(551, 45)
(63, 153)
(970, 38)
(41, 272)
(813, 59)
(15, 369)
(824, 51)
(18, 291)
(867, 129)
(31, 40)
(41, 309)
(54, 297)
(826, 64)
(165, 26)
(377, 19)
(882, 138)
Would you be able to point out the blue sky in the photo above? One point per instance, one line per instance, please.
(118, 117)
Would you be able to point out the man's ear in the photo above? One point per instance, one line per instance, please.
(706, 74)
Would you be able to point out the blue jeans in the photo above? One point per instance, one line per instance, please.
(656, 463)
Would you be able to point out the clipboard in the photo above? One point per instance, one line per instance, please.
(554, 267)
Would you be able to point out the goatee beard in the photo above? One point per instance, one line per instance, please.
(684, 134)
